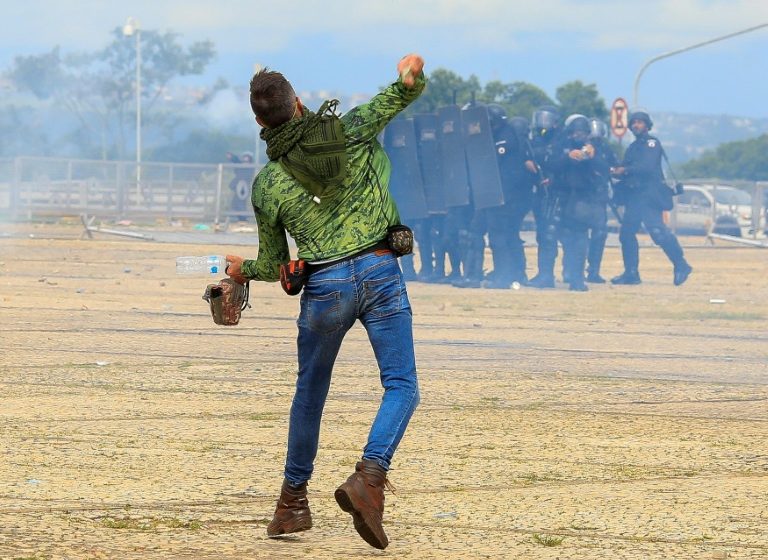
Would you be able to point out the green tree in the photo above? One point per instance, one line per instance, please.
(734, 160)
(575, 97)
(520, 99)
(99, 87)
(445, 88)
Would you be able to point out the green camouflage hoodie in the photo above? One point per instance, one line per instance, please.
(348, 218)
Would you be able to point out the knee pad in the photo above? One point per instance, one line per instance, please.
(659, 235)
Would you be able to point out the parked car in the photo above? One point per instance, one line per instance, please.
(718, 208)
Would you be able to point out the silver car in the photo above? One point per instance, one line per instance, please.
(708, 207)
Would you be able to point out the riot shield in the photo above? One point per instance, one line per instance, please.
(405, 182)
(428, 150)
(482, 165)
(452, 159)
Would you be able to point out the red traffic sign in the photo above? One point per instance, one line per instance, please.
(619, 116)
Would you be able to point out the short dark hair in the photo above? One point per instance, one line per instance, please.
(272, 98)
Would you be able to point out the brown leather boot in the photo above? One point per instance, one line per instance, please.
(292, 513)
(362, 495)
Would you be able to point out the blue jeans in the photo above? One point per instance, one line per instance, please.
(370, 288)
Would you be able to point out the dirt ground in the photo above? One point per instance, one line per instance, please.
(626, 422)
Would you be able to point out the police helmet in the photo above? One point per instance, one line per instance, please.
(545, 118)
(577, 123)
(570, 118)
(496, 114)
(521, 125)
(597, 129)
(641, 116)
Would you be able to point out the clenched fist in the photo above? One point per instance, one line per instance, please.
(410, 66)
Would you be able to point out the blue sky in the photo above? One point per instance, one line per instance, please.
(352, 46)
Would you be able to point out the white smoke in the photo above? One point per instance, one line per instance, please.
(227, 110)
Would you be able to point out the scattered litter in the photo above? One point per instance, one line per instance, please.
(33, 481)
(80, 290)
(102, 363)
(31, 235)
(446, 515)
(43, 279)
(127, 270)
(515, 285)
(201, 227)
(162, 284)
(124, 223)
(717, 300)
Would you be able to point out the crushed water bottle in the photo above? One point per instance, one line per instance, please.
(212, 264)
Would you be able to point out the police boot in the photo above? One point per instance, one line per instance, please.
(362, 495)
(578, 286)
(682, 271)
(292, 513)
(595, 278)
(438, 272)
(627, 278)
(542, 281)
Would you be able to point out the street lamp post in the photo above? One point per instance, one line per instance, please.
(132, 28)
(686, 49)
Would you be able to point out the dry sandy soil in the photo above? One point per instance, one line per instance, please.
(626, 422)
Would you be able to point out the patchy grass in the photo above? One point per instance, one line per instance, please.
(149, 524)
(548, 540)
(264, 416)
(533, 478)
(203, 446)
(630, 472)
(717, 315)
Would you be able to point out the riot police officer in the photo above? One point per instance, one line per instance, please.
(545, 125)
(640, 192)
(471, 221)
(575, 164)
(504, 222)
(240, 185)
(598, 231)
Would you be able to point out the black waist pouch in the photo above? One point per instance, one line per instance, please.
(400, 239)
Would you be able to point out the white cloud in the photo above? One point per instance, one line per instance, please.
(267, 26)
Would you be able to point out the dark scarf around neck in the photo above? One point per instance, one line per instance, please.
(311, 148)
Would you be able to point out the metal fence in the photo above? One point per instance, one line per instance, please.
(33, 187)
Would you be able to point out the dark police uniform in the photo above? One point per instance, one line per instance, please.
(545, 213)
(642, 179)
(598, 232)
(505, 222)
(576, 184)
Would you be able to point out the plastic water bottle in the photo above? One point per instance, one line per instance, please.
(213, 264)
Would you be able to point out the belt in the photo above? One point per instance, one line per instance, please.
(379, 246)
